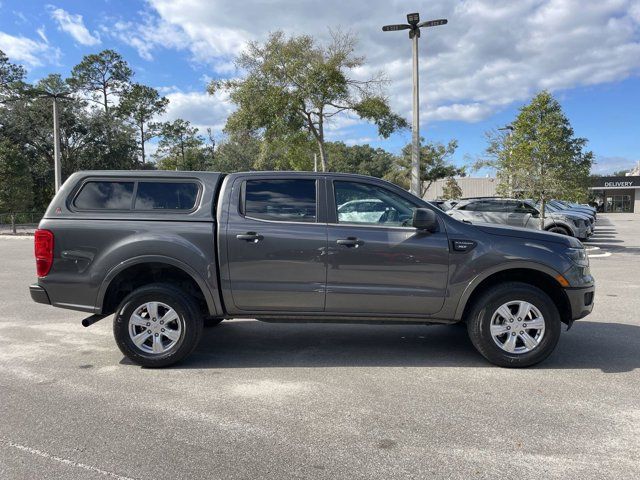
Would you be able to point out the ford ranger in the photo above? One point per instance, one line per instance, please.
(167, 252)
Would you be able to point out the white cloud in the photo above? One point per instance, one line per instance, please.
(608, 165)
(360, 140)
(147, 35)
(74, 26)
(42, 34)
(28, 51)
(491, 54)
(201, 109)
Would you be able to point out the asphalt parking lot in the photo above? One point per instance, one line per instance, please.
(283, 401)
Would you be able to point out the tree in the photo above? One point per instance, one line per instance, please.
(294, 85)
(101, 75)
(238, 153)
(11, 76)
(541, 159)
(180, 147)
(16, 191)
(141, 104)
(361, 159)
(434, 165)
(451, 189)
(85, 141)
(291, 152)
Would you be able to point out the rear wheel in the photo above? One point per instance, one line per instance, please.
(514, 325)
(157, 325)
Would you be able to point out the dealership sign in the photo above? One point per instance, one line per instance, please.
(616, 182)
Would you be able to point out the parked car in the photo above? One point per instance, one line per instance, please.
(444, 205)
(519, 213)
(370, 210)
(578, 206)
(163, 251)
(589, 219)
(575, 208)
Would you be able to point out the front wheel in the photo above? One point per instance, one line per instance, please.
(514, 325)
(560, 230)
(157, 325)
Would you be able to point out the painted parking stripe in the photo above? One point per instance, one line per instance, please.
(62, 460)
(605, 254)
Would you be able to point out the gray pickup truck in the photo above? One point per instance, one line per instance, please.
(167, 252)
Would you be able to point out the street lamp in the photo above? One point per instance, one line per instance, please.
(55, 96)
(414, 25)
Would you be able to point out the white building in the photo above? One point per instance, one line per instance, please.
(471, 187)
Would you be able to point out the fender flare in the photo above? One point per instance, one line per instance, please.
(212, 305)
(471, 287)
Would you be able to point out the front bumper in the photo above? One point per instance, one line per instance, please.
(581, 301)
(39, 294)
(582, 232)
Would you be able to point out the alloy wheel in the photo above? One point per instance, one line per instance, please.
(155, 328)
(517, 327)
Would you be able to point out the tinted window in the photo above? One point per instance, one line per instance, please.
(105, 196)
(284, 200)
(526, 208)
(166, 196)
(478, 206)
(370, 204)
(510, 206)
(495, 206)
(471, 206)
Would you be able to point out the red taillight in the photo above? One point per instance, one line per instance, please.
(44, 251)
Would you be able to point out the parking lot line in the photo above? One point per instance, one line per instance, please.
(65, 461)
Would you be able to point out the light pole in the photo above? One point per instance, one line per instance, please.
(56, 131)
(414, 25)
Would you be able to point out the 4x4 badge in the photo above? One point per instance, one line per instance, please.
(462, 245)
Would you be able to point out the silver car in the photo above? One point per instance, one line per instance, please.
(589, 219)
(519, 213)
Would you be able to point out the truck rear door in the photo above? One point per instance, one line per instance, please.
(276, 244)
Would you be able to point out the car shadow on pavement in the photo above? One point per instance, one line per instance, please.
(609, 347)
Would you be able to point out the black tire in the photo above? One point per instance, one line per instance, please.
(210, 322)
(560, 230)
(188, 313)
(481, 313)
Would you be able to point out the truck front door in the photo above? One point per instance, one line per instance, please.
(276, 244)
(378, 263)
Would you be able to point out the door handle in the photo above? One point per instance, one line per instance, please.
(350, 242)
(249, 237)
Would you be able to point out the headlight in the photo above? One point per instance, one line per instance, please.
(578, 256)
(576, 222)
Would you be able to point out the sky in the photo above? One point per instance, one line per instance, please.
(475, 72)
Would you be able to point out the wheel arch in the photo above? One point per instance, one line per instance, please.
(563, 225)
(536, 275)
(178, 272)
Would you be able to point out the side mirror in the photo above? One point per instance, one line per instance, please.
(425, 219)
